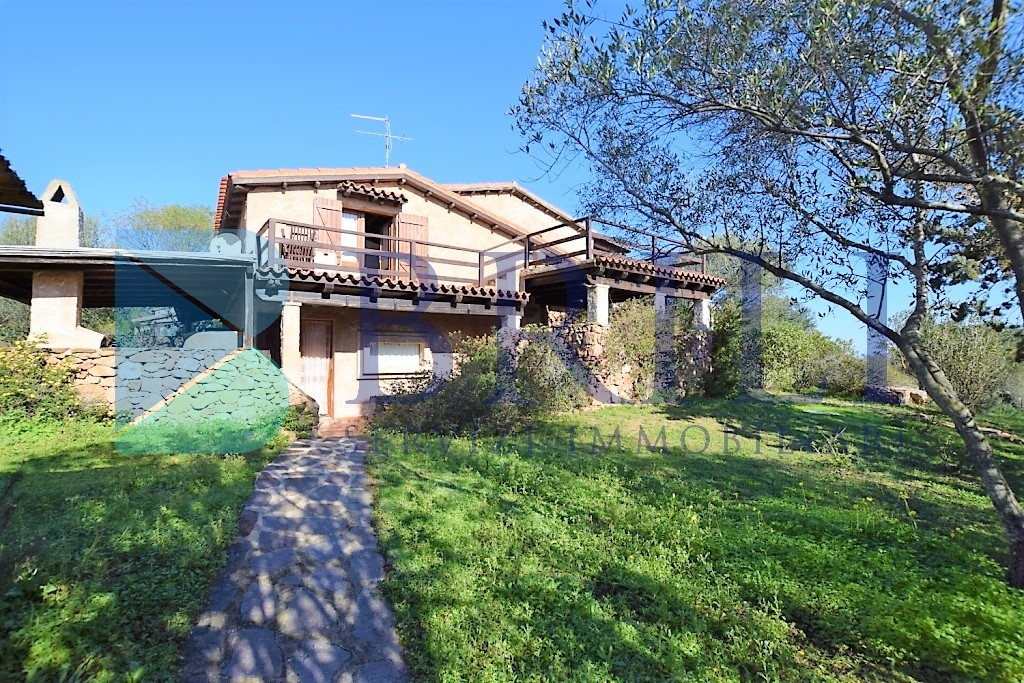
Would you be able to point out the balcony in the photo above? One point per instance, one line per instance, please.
(642, 263)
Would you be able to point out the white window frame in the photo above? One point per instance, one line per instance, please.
(371, 351)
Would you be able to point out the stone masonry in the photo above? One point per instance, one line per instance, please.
(131, 381)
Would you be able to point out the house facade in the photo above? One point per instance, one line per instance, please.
(350, 280)
(362, 273)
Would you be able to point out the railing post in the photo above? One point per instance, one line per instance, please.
(271, 243)
(590, 240)
(526, 253)
(480, 270)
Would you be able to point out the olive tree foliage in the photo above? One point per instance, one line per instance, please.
(978, 359)
(809, 138)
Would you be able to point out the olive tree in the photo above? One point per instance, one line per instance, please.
(809, 138)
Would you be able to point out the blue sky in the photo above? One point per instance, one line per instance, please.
(159, 99)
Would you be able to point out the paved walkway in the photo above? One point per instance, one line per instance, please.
(298, 600)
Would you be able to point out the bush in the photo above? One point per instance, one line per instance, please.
(471, 399)
(977, 359)
(33, 385)
(631, 343)
(725, 378)
(794, 358)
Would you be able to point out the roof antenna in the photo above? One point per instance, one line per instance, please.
(388, 137)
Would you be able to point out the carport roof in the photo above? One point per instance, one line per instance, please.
(14, 195)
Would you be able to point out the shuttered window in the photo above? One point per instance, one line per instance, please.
(393, 357)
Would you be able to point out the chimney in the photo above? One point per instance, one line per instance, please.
(62, 223)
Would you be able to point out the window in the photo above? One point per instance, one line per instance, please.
(395, 357)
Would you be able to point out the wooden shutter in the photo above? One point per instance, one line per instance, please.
(327, 214)
(414, 227)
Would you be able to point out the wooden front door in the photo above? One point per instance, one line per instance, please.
(315, 344)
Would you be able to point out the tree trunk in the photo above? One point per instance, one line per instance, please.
(1011, 236)
(980, 452)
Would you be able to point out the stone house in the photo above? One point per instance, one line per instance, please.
(350, 279)
(364, 271)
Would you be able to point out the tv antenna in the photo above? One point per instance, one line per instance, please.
(388, 137)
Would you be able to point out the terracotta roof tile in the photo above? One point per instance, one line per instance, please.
(350, 188)
(221, 197)
(401, 284)
(656, 269)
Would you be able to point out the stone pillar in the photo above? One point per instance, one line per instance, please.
(511, 321)
(702, 314)
(699, 343)
(666, 382)
(55, 313)
(598, 304)
(291, 354)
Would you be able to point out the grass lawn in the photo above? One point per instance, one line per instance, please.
(106, 559)
(884, 562)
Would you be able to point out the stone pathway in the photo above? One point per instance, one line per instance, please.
(298, 600)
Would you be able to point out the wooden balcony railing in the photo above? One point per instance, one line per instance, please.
(290, 244)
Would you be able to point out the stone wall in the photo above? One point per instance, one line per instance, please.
(175, 381)
(682, 358)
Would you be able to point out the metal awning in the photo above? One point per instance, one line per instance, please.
(128, 278)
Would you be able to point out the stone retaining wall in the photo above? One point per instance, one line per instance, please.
(132, 381)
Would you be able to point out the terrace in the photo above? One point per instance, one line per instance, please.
(548, 264)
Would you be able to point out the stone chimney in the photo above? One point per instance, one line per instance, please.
(62, 223)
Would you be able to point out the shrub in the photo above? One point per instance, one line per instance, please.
(631, 343)
(33, 385)
(471, 399)
(725, 378)
(794, 358)
(977, 359)
(301, 420)
(834, 367)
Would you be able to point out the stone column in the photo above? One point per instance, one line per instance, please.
(700, 345)
(702, 314)
(598, 304)
(508, 355)
(666, 382)
(55, 315)
(291, 354)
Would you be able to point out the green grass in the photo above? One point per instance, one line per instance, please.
(554, 563)
(106, 559)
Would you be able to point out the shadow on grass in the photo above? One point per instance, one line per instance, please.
(107, 558)
(653, 565)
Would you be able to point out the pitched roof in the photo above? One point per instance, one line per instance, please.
(513, 188)
(14, 195)
(229, 200)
